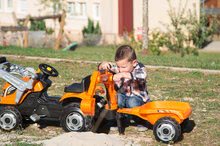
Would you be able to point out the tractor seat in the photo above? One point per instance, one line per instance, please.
(79, 87)
(2, 60)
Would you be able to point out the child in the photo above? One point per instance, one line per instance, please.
(129, 77)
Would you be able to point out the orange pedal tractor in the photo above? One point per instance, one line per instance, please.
(80, 108)
(25, 97)
(165, 116)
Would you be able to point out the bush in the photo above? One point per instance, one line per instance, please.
(203, 30)
(180, 32)
(38, 25)
(91, 33)
(157, 41)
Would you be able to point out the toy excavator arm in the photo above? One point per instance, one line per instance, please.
(7, 75)
(16, 69)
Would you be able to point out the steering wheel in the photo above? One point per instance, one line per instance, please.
(48, 70)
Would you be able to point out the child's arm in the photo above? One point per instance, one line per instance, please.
(104, 65)
(126, 75)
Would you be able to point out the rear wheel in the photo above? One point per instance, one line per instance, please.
(167, 130)
(10, 118)
(73, 119)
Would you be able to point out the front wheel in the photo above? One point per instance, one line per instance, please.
(10, 118)
(73, 119)
(167, 130)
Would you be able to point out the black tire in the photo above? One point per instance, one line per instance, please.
(72, 119)
(167, 130)
(10, 118)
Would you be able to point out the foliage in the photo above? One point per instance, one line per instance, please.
(49, 30)
(157, 41)
(132, 41)
(91, 33)
(203, 29)
(38, 25)
(179, 32)
(91, 28)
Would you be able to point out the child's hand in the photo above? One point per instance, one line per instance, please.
(117, 77)
(105, 65)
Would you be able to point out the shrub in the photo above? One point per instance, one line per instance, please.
(180, 33)
(91, 33)
(157, 41)
(38, 25)
(203, 30)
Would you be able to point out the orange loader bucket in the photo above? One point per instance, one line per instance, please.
(152, 111)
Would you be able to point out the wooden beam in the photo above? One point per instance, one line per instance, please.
(58, 16)
(26, 32)
(60, 33)
(13, 28)
(15, 18)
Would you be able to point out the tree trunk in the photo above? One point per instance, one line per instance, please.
(145, 26)
(60, 33)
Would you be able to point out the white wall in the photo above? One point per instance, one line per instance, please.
(158, 16)
(158, 12)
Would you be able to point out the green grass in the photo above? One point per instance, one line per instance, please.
(23, 144)
(100, 53)
(202, 91)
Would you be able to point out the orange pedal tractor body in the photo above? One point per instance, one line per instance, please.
(83, 105)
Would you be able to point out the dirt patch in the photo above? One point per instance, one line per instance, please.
(85, 139)
(55, 136)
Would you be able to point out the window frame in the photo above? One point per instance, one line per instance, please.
(1, 5)
(7, 8)
(77, 10)
(19, 8)
(95, 11)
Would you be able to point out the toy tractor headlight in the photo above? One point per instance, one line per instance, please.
(9, 90)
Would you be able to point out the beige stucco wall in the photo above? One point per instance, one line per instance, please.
(6, 17)
(158, 16)
(108, 20)
(158, 12)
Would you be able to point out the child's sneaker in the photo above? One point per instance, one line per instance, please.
(141, 128)
(131, 121)
(113, 128)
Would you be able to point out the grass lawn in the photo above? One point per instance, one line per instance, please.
(202, 91)
(100, 53)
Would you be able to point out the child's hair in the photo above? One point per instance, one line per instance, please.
(125, 51)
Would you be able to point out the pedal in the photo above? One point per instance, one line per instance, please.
(101, 103)
(35, 117)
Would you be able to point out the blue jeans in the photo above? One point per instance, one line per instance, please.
(125, 101)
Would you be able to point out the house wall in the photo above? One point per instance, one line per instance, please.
(6, 16)
(109, 19)
(158, 12)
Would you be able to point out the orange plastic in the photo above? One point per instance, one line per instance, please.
(151, 111)
(10, 99)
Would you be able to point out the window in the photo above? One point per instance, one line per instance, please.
(96, 13)
(23, 6)
(76, 9)
(53, 8)
(1, 5)
(9, 5)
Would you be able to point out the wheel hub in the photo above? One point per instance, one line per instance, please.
(166, 132)
(7, 121)
(74, 121)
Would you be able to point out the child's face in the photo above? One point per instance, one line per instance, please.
(125, 65)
